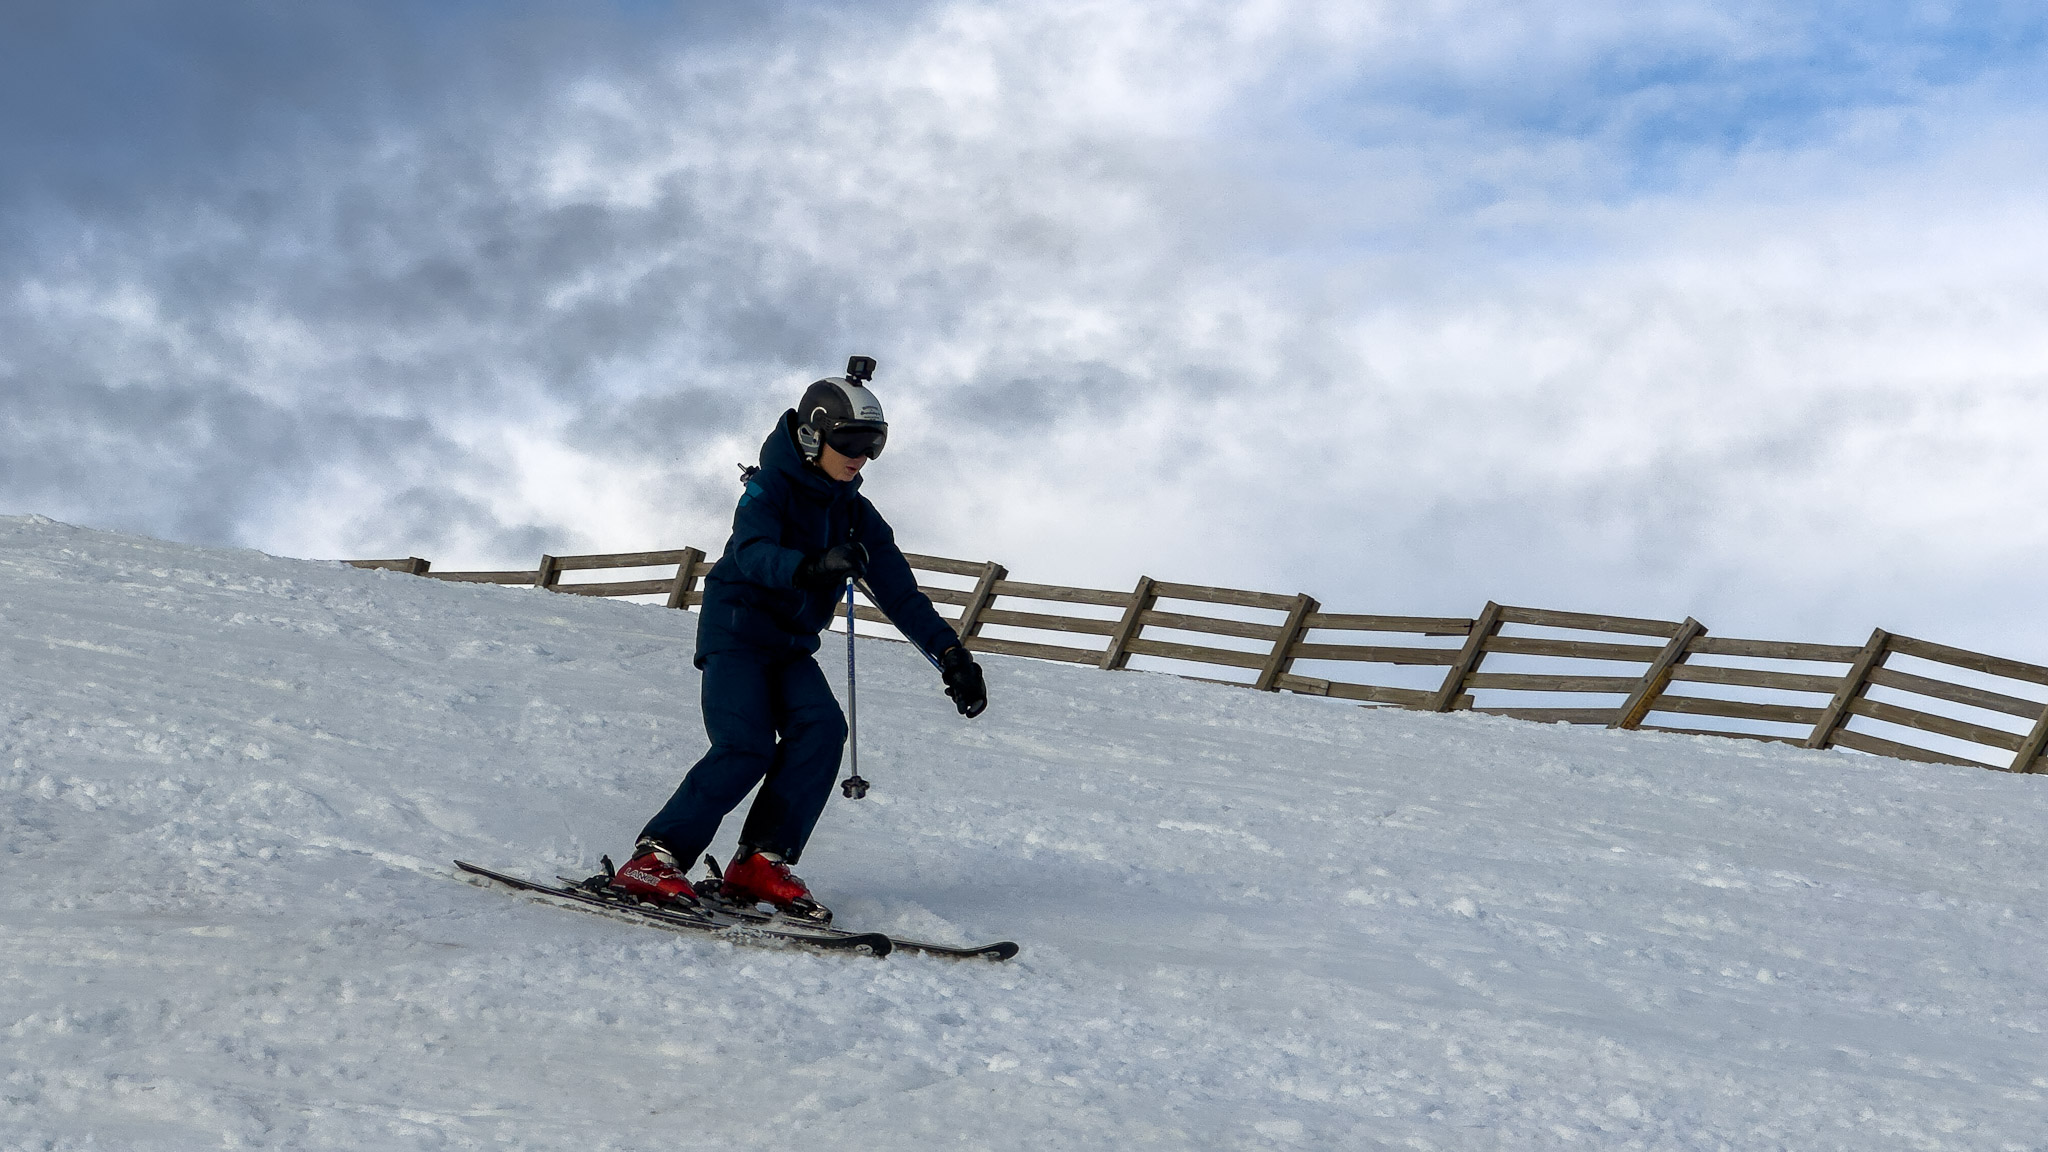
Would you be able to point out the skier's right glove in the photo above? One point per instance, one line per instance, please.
(964, 681)
(828, 571)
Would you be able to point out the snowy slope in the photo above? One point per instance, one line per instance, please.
(231, 786)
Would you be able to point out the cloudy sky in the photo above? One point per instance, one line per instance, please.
(1730, 309)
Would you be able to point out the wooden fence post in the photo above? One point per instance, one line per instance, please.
(686, 578)
(1127, 629)
(1854, 682)
(2028, 758)
(548, 574)
(1483, 628)
(1284, 644)
(983, 595)
(1657, 677)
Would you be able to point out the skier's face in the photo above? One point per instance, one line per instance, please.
(840, 468)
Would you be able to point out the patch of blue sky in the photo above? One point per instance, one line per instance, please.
(1654, 100)
(1512, 146)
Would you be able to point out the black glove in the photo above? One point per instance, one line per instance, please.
(963, 681)
(829, 570)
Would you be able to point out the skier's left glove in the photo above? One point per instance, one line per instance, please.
(828, 571)
(964, 682)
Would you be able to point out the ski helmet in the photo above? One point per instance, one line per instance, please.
(840, 411)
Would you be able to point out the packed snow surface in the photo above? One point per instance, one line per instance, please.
(231, 787)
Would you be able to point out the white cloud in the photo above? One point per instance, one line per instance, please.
(1660, 310)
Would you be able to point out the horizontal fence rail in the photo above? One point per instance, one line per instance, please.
(1891, 696)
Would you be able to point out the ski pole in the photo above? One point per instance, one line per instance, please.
(928, 657)
(853, 786)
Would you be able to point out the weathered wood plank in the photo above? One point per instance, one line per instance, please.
(1792, 740)
(1956, 693)
(550, 573)
(1048, 623)
(1601, 716)
(1775, 650)
(412, 565)
(1182, 622)
(1213, 680)
(957, 597)
(1756, 678)
(1117, 654)
(1657, 677)
(1854, 683)
(1425, 625)
(1879, 746)
(1168, 591)
(1974, 661)
(1303, 685)
(1282, 656)
(1534, 682)
(942, 564)
(1571, 649)
(1484, 627)
(622, 560)
(1035, 651)
(1380, 694)
(620, 588)
(1735, 709)
(525, 577)
(1140, 646)
(1368, 693)
(1020, 590)
(1939, 725)
(1590, 622)
(1376, 654)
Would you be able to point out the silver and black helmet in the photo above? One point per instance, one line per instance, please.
(840, 411)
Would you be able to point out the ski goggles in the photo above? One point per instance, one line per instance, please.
(856, 440)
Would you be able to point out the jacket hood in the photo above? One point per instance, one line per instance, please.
(779, 453)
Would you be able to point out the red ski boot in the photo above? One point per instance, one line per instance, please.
(762, 878)
(652, 875)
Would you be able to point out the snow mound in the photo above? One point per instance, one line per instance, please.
(231, 785)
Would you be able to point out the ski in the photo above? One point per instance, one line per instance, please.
(721, 924)
(1000, 950)
(708, 892)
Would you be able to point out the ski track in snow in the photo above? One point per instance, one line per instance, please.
(231, 786)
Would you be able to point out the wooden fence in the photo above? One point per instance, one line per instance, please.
(1891, 696)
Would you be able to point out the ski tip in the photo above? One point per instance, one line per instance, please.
(874, 942)
(1000, 950)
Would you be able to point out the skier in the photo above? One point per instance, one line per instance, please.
(801, 533)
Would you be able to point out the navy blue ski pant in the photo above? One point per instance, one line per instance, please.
(750, 701)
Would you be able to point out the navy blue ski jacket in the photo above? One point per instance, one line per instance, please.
(791, 510)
